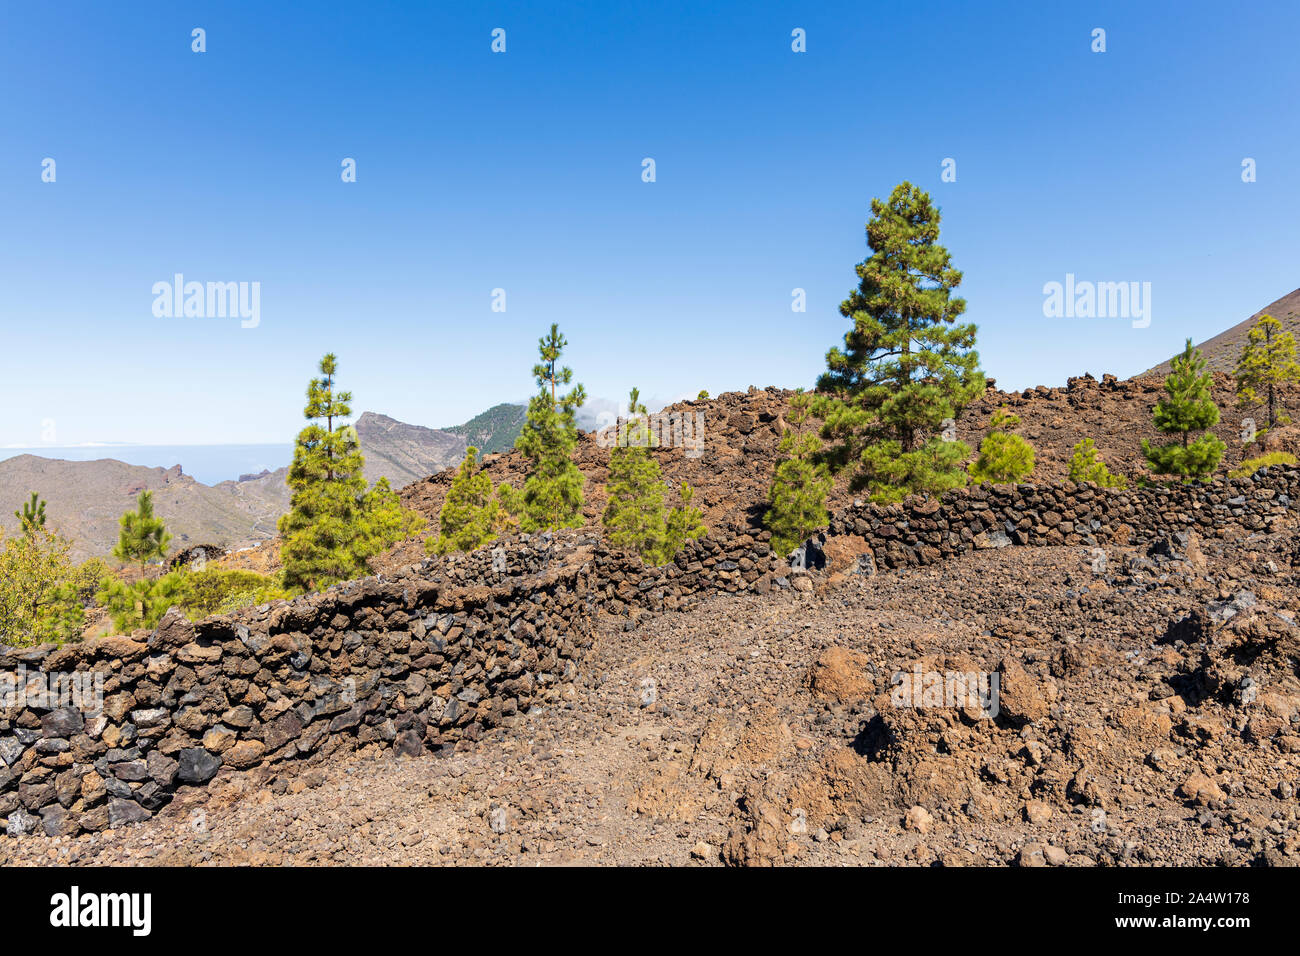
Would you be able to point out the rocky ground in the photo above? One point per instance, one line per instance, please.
(1148, 711)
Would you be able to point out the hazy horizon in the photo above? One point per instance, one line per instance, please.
(207, 464)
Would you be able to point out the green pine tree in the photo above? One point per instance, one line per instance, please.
(684, 523)
(1086, 465)
(635, 517)
(1003, 457)
(797, 499)
(1187, 406)
(31, 519)
(906, 366)
(334, 525)
(141, 603)
(634, 512)
(1267, 361)
(143, 537)
(385, 520)
(468, 519)
(552, 494)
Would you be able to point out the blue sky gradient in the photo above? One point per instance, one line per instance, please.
(523, 171)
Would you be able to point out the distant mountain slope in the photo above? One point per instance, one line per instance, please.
(85, 499)
(403, 453)
(1223, 350)
(494, 430)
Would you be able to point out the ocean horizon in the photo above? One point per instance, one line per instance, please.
(209, 464)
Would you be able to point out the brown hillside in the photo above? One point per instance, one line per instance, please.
(403, 453)
(1222, 351)
(86, 499)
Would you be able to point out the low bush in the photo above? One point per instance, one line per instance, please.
(1252, 465)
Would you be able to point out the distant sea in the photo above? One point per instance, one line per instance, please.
(210, 464)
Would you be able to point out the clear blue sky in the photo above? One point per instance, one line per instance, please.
(523, 171)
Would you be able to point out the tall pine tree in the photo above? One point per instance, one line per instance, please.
(1267, 361)
(552, 494)
(906, 365)
(1187, 406)
(334, 524)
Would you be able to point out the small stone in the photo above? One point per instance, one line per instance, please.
(1200, 789)
(121, 812)
(131, 770)
(1031, 854)
(1037, 812)
(408, 744)
(10, 750)
(197, 765)
(63, 722)
(162, 769)
(219, 739)
(154, 717)
(20, 822)
(704, 851)
(241, 717)
(56, 821)
(245, 754)
(918, 819)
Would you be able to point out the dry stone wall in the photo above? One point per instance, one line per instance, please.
(923, 530)
(102, 733)
(426, 660)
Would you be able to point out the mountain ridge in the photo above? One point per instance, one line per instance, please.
(86, 499)
(1223, 350)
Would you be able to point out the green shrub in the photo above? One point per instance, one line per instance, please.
(196, 594)
(140, 604)
(216, 591)
(681, 524)
(1249, 467)
(1003, 457)
(1085, 465)
(43, 595)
